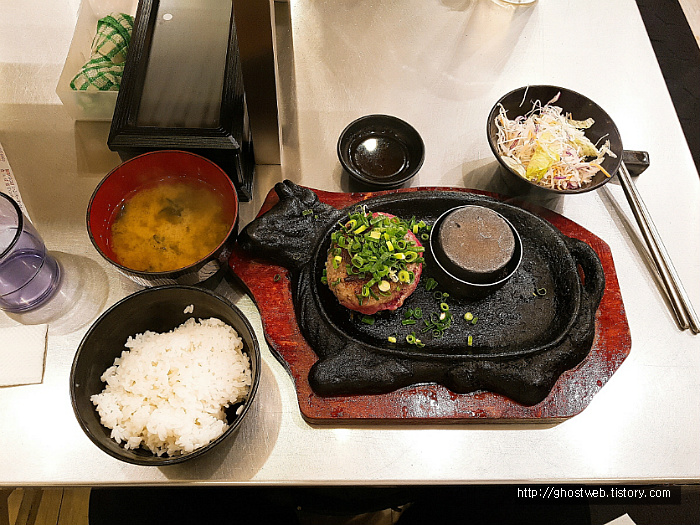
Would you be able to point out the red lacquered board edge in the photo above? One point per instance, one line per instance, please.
(271, 288)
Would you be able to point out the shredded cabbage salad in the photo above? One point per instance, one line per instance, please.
(549, 148)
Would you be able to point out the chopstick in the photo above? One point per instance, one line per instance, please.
(680, 302)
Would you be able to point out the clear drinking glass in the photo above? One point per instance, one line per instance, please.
(29, 275)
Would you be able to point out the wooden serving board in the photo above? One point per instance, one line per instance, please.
(271, 288)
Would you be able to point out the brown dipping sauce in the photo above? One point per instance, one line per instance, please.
(380, 157)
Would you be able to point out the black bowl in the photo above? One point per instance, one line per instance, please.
(468, 282)
(381, 151)
(158, 309)
(519, 102)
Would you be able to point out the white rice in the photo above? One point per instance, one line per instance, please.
(168, 391)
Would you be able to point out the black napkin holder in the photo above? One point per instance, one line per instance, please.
(182, 88)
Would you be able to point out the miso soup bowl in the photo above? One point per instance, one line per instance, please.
(135, 174)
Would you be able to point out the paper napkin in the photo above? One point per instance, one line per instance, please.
(22, 354)
(8, 183)
(622, 520)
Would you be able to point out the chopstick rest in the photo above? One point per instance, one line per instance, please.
(22, 354)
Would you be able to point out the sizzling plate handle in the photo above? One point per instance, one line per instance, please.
(594, 276)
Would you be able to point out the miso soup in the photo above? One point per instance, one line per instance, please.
(169, 225)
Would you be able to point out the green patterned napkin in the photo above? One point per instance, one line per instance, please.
(98, 74)
(103, 72)
(112, 38)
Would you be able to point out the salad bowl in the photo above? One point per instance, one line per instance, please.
(581, 172)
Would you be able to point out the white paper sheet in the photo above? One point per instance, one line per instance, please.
(622, 520)
(8, 183)
(22, 354)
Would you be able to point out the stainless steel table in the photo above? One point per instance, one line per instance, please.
(440, 65)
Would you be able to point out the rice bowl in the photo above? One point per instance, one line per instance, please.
(168, 391)
(161, 310)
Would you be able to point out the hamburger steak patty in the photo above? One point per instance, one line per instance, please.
(348, 288)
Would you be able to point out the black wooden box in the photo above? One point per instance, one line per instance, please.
(183, 88)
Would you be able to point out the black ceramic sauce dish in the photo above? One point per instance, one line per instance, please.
(520, 101)
(158, 309)
(381, 151)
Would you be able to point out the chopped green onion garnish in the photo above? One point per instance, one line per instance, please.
(468, 316)
(368, 319)
(430, 284)
(391, 339)
(377, 249)
(437, 323)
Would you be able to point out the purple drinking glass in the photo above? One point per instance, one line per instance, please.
(29, 275)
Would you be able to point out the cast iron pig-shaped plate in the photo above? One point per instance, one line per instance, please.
(529, 332)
